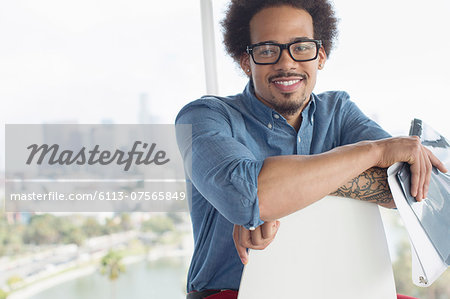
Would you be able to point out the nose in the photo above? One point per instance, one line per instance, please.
(285, 62)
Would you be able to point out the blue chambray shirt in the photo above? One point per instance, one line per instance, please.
(230, 139)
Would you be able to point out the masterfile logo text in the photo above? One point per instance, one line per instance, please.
(94, 168)
(93, 156)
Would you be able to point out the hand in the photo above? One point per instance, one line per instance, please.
(421, 159)
(259, 238)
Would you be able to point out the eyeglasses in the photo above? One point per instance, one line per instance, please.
(270, 53)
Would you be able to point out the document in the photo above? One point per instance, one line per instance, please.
(428, 221)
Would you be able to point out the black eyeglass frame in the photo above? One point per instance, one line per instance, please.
(287, 46)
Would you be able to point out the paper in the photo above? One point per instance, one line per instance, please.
(428, 221)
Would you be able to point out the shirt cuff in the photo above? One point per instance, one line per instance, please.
(245, 179)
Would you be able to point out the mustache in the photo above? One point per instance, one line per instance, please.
(284, 75)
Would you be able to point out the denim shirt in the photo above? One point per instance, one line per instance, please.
(231, 137)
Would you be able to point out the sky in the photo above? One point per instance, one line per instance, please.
(89, 61)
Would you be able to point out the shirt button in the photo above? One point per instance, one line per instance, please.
(299, 139)
(276, 116)
(251, 228)
(269, 126)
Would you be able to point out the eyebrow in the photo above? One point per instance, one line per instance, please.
(295, 39)
(300, 38)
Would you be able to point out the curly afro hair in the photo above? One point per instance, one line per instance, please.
(236, 25)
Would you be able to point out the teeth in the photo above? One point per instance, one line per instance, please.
(287, 83)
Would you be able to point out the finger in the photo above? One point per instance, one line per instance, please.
(260, 242)
(268, 228)
(245, 239)
(241, 250)
(277, 226)
(422, 175)
(415, 177)
(429, 168)
(436, 162)
(256, 238)
(274, 226)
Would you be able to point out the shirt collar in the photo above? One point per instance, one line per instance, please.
(265, 113)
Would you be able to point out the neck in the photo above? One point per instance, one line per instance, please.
(295, 120)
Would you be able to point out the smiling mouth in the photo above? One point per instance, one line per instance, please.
(287, 85)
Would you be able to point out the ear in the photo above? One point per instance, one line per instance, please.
(322, 58)
(244, 61)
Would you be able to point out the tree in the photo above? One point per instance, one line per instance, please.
(125, 222)
(111, 265)
(176, 217)
(69, 231)
(92, 228)
(11, 236)
(3, 294)
(42, 230)
(3, 233)
(14, 281)
(110, 226)
(158, 225)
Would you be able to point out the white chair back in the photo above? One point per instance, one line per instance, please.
(334, 248)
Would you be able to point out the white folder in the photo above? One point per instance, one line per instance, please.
(427, 263)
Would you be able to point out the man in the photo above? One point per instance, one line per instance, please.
(277, 147)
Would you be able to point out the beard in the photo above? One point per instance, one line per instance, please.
(290, 105)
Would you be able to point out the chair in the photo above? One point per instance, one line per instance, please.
(334, 248)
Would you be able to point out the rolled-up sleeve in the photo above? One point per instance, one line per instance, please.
(223, 170)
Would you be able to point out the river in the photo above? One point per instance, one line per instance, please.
(164, 279)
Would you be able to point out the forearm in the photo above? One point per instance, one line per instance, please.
(370, 186)
(289, 183)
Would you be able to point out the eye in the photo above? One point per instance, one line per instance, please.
(266, 51)
(300, 48)
(303, 47)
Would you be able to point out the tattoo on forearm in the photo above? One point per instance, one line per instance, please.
(370, 185)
